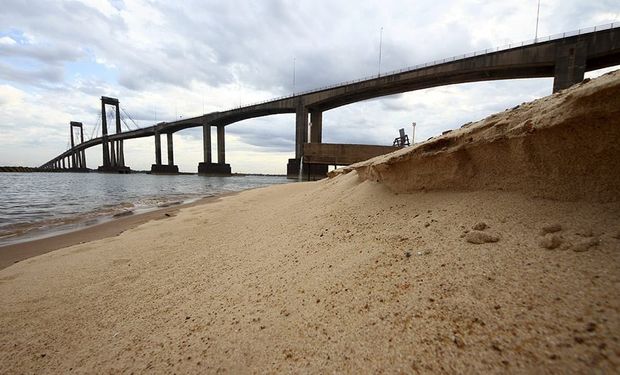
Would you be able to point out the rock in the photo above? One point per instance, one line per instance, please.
(585, 245)
(551, 241)
(477, 237)
(617, 235)
(550, 228)
(458, 341)
(480, 226)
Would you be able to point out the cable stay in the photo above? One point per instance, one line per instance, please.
(96, 128)
(130, 117)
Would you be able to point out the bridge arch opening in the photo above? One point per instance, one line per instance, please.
(435, 110)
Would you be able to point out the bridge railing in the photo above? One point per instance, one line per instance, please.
(443, 61)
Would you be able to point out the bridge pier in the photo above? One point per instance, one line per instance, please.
(316, 126)
(113, 155)
(570, 65)
(208, 168)
(158, 167)
(309, 171)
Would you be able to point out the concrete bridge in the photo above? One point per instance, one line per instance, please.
(565, 57)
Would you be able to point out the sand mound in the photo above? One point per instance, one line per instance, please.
(565, 146)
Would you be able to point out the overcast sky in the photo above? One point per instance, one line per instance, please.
(167, 59)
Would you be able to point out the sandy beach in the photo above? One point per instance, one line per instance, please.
(494, 248)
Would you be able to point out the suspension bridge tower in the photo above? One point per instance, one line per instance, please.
(113, 153)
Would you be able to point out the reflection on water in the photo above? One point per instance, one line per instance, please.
(35, 203)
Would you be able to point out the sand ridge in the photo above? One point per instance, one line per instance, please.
(563, 146)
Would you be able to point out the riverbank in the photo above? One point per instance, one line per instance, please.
(14, 253)
(492, 249)
(38, 205)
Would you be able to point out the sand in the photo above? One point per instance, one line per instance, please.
(358, 273)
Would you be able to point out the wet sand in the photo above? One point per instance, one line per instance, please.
(11, 254)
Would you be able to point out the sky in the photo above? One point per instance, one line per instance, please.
(177, 59)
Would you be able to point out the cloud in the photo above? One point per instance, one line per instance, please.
(7, 41)
(44, 74)
(166, 59)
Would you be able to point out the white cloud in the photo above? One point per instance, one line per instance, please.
(7, 41)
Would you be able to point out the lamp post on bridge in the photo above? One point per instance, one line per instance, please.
(537, 17)
(380, 46)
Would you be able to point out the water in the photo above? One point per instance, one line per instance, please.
(35, 205)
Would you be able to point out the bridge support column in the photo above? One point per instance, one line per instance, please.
(78, 158)
(170, 149)
(158, 167)
(316, 126)
(206, 143)
(113, 155)
(208, 168)
(157, 149)
(73, 155)
(83, 152)
(104, 136)
(570, 65)
(294, 168)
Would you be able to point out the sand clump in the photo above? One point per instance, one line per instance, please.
(479, 237)
(348, 275)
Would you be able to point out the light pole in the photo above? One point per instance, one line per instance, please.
(380, 45)
(294, 60)
(537, 15)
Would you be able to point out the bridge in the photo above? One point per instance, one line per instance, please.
(564, 57)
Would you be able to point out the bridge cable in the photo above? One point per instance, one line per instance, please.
(129, 116)
(123, 120)
(125, 123)
(95, 128)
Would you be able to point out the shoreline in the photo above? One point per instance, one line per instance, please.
(17, 252)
